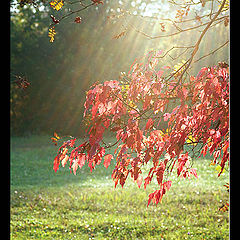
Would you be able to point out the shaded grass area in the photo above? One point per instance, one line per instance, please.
(48, 205)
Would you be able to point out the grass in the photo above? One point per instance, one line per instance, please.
(48, 205)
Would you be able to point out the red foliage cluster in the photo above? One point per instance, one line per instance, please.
(133, 109)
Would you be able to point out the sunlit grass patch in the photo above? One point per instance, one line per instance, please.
(48, 205)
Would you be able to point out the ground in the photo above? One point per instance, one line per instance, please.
(49, 205)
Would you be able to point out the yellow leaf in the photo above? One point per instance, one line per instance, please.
(125, 87)
(226, 5)
(178, 66)
(161, 133)
(56, 4)
(51, 34)
(191, 140)
(56, 135)
(218, 169)
(212, 163)
(132, 104)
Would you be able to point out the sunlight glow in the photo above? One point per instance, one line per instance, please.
(153, 8)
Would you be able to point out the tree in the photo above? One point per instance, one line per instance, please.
(33, 110)
(133, 109)
(196, 109)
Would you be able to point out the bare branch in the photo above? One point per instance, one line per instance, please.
(189, 61)
(179, 30)
(215, 50)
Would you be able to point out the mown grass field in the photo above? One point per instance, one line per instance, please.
(49, 205)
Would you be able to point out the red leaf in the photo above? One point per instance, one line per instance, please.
(130, 141)
(181, 162)
(71, 142)
(149, 124)
(139, 180)
(185, 92)
(81, 160)
(97, 1)
(160, 172)
(158, 196)
(167, 184)
(166, 116)
(136, 171)
(107, 160)
(204, 150)
(193, 172)
(94, 110)
(54, 19)
(75, 167)
(147, 181)
(159, 73)
(64, 161)
(78, 20)
(147, 101)
(56, 163)
(122, 180)
(151, 195)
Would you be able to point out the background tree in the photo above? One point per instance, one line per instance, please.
(72, 69)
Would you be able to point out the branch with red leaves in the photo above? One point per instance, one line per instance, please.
(195, 108)
(133, 111)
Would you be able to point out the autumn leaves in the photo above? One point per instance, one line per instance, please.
(193, 121)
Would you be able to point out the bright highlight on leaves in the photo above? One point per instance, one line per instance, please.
(56, 4)
(51, 34)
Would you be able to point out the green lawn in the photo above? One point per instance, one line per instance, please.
(49, 205)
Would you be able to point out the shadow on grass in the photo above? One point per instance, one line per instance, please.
(31, 165)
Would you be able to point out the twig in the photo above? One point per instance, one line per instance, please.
(72, 12)
(178, 32)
